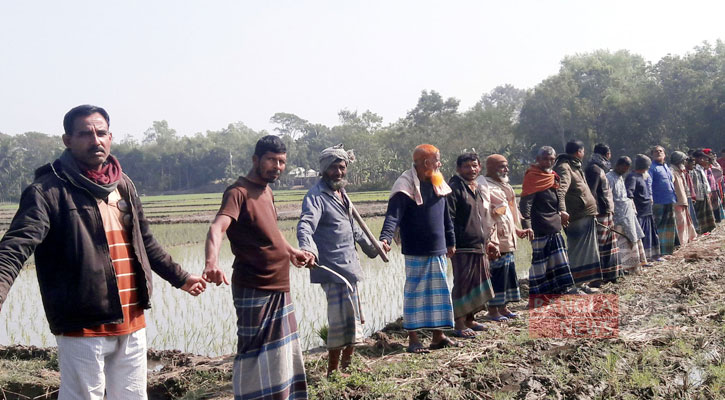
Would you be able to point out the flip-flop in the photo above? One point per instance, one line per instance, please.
(500, 318)
(417, 348)
(511, 315)
(467, 333)
(445, 342)
(477, 327)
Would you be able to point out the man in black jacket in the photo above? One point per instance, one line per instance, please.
(94, 253)
(472, 214)
(596, 176)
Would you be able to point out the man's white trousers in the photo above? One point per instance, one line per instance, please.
(91, 365)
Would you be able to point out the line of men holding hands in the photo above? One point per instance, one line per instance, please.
(83, 219)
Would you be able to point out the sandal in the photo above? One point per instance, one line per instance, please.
(467, 333)
(477, 327)
(443, 343)
(511, 315)
(499, 318)
(417, 348)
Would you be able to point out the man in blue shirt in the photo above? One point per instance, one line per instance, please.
(664, 199)
(326, 229)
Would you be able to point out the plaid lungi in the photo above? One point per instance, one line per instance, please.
(632, 254)
(344, 315)
(705, 217)
(268, 364)
(549, 272)
(471, 283)
(717, 209)
(426, 297)
(683, 222)
(650, 241)
(664, 218)
(608, 249)
(693, 214)
(583, 249)
(504, 280)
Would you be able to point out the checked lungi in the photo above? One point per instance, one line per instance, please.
(705, 217)
(664, 218)
(549, 272)
(632, 254)
(344, 315)
(717, 209)
(426, 297)
(608, 249)
(268, 364)
(683, 222)
(693, 214)
(504, 280)
(472, 287)
(650, 241)
(583, 249)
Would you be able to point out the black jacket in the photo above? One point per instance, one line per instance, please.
(62, 224)
(596, 175)
(467, 212)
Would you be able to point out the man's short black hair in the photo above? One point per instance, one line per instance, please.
(699, 153)
(573, 146)
(83, 110)
(466, 157)
(269, 143)
(624, 160)
(601, 148)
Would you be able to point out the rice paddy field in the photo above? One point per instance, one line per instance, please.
(206, 324)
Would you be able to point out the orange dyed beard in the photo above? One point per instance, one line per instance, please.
(435, 177)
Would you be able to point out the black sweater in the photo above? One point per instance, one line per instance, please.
(425, 230)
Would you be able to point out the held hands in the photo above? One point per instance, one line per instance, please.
(302, 258)
(213, 274)
(492, 251)
(194, 285)
(451, 251)
(525, 233)
(564, 218)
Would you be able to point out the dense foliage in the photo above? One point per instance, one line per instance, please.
(612, 97)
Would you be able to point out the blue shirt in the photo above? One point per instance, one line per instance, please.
(663, 186)
(326, 228)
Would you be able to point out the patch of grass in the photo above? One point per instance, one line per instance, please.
(716, 379)
(26, 372)
(643, 379)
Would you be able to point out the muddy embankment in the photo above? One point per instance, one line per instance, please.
(670, 344)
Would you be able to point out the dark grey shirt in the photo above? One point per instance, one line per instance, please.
(327, 229)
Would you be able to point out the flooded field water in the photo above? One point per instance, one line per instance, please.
(207, 324)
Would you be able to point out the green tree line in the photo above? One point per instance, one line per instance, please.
(613, 97)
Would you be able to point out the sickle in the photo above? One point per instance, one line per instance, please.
(349, 286)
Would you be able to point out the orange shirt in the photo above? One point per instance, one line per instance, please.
(113, 214)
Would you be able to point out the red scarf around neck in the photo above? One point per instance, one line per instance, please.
(110, 172)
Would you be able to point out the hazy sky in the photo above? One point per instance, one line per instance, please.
(203, 64)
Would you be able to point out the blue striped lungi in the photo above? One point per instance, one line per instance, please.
(549, 272)
(504, 280)
(650, 241)
(268, 364)
(426, 297)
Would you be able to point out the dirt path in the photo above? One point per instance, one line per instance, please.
(670, 344)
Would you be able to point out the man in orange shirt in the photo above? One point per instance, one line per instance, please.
(94, 257)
